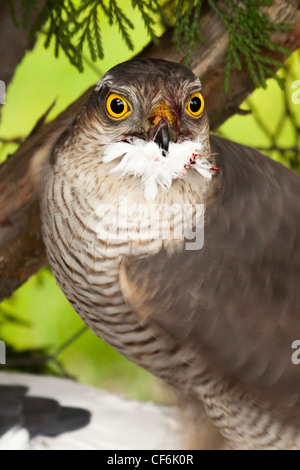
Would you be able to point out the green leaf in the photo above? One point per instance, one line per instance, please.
(74, 25)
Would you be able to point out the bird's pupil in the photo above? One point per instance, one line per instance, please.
(195, 104)
(117, 106)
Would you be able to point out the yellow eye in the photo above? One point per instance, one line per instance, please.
(195, 105)
(116, 106)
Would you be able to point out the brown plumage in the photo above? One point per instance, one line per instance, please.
(217, 322)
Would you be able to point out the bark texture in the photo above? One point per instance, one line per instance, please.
(14, 41)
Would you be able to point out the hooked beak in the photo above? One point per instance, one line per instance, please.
(162, 135)
(162, 131)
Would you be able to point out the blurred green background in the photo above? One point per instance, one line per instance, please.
(38, 316)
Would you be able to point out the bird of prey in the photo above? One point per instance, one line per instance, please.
(181, 250)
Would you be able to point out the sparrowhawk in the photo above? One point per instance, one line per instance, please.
(181, 249)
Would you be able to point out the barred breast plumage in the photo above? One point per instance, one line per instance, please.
(144, 138)
(86, 265)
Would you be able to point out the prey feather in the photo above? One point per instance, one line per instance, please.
(154, 166)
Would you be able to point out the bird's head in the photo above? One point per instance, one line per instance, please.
(149, 116)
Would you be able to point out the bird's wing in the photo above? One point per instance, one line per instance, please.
(236, 301)
(97, 419)
(24, 417)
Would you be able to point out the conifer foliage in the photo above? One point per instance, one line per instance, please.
(72, 24)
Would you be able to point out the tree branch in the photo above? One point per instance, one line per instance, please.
(21, 248)
(14, 42)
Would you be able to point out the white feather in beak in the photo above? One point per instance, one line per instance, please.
(147, 161)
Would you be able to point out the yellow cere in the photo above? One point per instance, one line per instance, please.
(162, 111)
